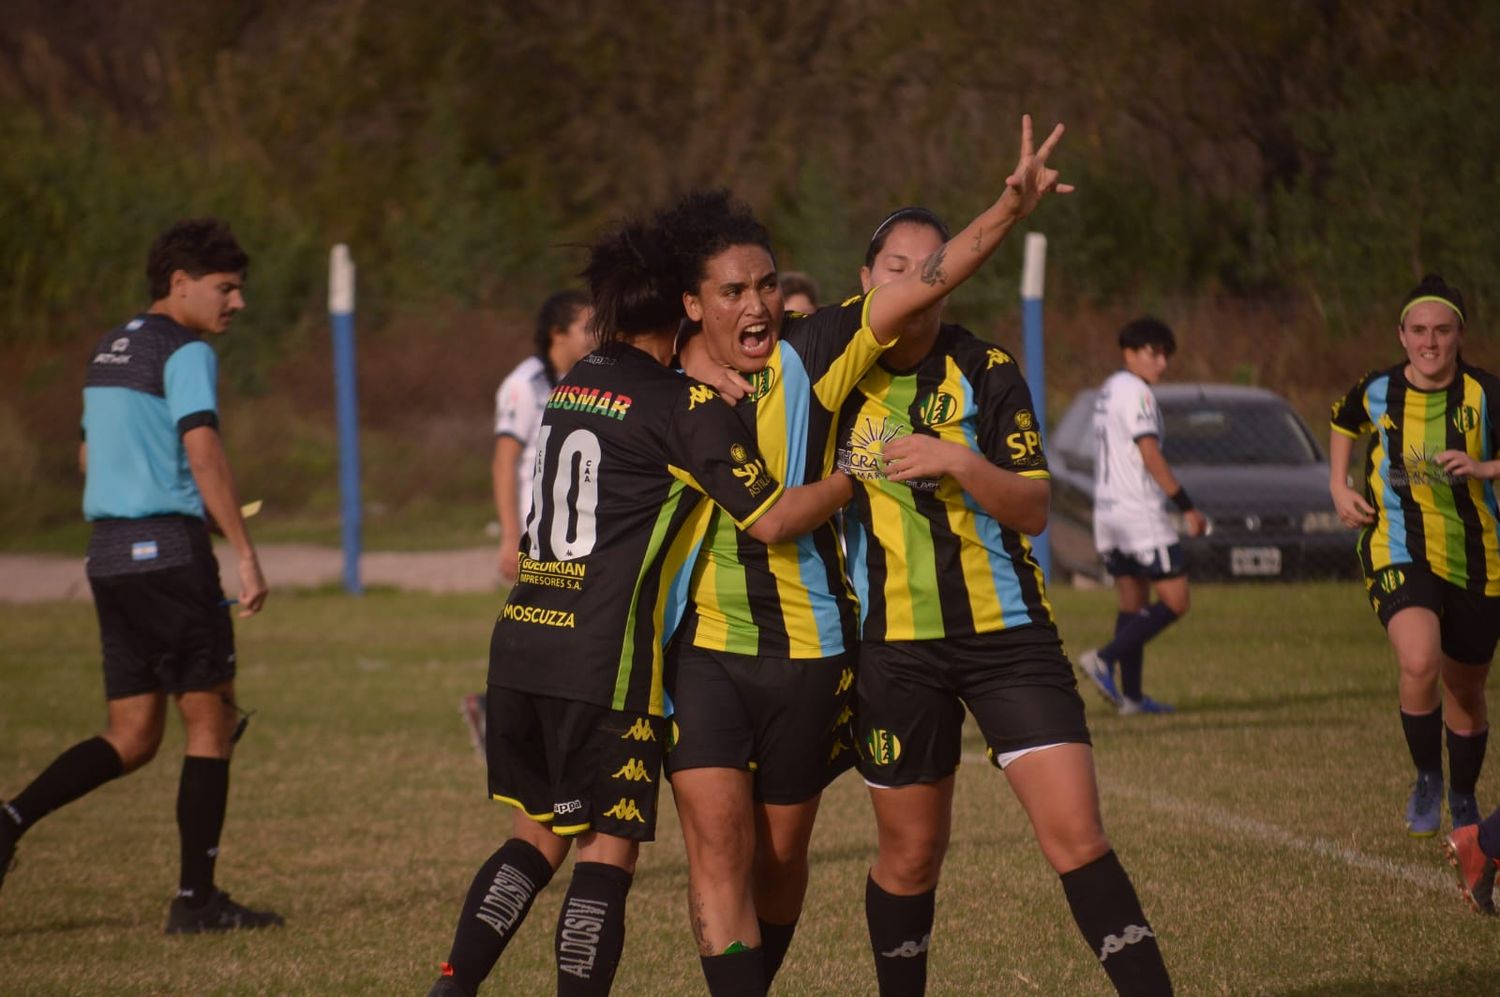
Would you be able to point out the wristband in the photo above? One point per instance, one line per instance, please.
(1180, 500)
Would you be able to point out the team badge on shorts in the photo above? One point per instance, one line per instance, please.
(1389, 580)
(882, 747)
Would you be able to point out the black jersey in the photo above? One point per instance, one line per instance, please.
(626, 452)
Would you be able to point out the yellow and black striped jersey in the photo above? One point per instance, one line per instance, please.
(626, 451)
(1423, 515)
(788, 600)
(926, 561)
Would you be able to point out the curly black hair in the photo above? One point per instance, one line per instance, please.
(196, 245)
(632, 279)
(704, 223)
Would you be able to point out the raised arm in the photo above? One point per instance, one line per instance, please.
(955, 261)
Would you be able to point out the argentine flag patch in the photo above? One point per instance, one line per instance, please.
(143, 550)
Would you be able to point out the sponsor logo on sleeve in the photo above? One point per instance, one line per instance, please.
(752, 474)
(1025, 444)
(116, 354)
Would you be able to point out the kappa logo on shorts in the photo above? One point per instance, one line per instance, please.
(838, 748)
(845, 715)
(634, 770)
(882, 747)
(846, 680)
(625, 810)
(570, 807)
(639, 731)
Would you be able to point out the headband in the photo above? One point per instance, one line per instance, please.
(1431, 297)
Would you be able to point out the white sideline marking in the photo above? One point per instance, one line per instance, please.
(1408, 872)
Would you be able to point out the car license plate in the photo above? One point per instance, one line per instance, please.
(1255, 560)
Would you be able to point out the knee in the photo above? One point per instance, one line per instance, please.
(912, 865)
(135, 748)
(1075, 848)
(1178, 602)
(720, 845)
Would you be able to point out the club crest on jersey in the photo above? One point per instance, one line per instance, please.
(1024, 421)
(738, 454)
(1465, 418)
(937, 408)
(761, 383)
(882, 747)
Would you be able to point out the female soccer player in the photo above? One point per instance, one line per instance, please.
(1430, 547)
(627, 450)
(759, 675)
(943, 439)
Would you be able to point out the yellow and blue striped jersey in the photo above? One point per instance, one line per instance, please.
(926, 561)
(787, 600)
(1422, 515)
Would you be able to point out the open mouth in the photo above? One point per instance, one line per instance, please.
(755, 341)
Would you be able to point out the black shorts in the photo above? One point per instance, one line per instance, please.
(161, 630)
(574, 766)
(1469, 621)
(784, 719)
(910, 698)
(1156, 564)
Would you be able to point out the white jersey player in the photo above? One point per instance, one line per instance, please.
(1132, 532)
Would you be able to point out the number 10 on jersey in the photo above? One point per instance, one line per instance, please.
(564, 496)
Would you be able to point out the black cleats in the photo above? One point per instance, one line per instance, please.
(219, 914)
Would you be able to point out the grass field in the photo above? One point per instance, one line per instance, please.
(1261, 824)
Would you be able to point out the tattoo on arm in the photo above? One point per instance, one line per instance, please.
(932, 270)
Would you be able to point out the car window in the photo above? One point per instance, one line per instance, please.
(1235, 433)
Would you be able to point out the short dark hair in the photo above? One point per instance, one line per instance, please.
(197, 246)
(632, 278)
(558, 312)
(796, 282)
(704, 223)
(1434, 288)
(914, 215)
(1148, 331)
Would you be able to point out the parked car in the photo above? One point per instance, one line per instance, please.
(1251, 465)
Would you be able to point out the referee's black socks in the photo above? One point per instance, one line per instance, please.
(202, 796)
(1109, 916)
(498, 901)
(900, 933)
(591, 929)
(81, 769)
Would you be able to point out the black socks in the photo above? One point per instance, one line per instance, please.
(1109, 916)
(1465, 759)
(1424, 739)
(81, 769)
(498, 901)
(591, 929)
(736, 974)
(775, 939)
(202, 796)
(900, 933)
